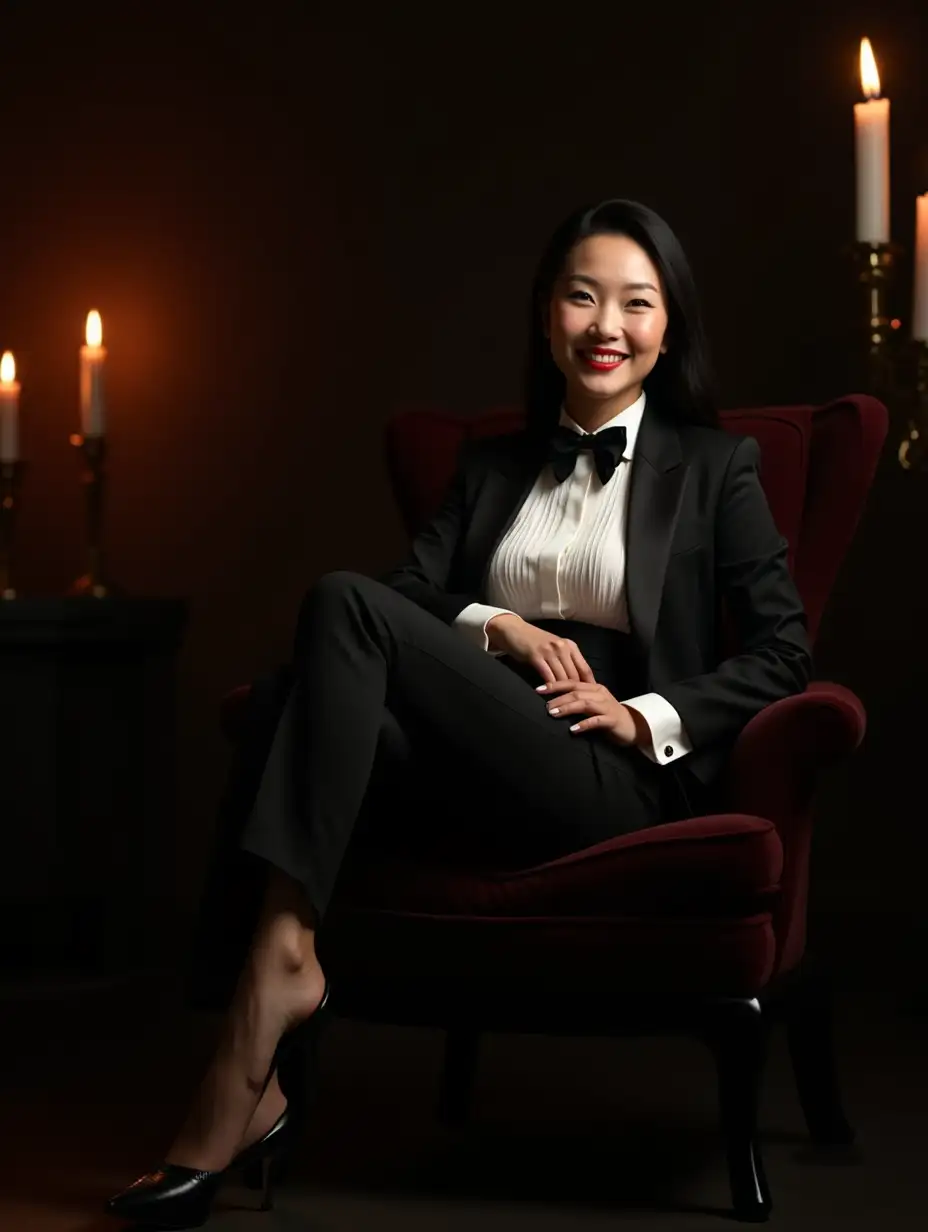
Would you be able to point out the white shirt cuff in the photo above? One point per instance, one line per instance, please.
(669, 740)
(472, 621)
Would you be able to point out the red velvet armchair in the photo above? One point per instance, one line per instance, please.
(696, 926)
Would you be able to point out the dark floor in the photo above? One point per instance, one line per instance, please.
(567, 1134)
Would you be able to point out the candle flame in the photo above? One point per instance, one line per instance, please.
(7, 368)
(93, 332)
(869, 74)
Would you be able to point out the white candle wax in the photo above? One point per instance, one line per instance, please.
(92, 401)
(871, 132)
(920, 311)
(9, 410)
(93, 357)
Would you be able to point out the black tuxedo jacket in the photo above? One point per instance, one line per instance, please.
(699, 535)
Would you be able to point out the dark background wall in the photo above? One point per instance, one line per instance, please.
(293, 226)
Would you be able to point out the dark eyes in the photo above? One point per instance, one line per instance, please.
(634, 303)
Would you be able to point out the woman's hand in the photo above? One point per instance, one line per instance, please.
(553, 657)
(569, 697)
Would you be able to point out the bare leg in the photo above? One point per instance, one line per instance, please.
(281, 984)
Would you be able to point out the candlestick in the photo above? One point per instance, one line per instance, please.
(876, 264)
(9, 409)
(93, 583)
(11, 473)
(920, 309)
(871, 132)
(93, 357)
(913, 454)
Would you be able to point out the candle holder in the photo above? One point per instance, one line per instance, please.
(913, 449)
(875, 267)
(11, 475)
(93, 583)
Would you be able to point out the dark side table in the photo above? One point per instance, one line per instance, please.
(87, 747)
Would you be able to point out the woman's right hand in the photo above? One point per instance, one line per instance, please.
(553, 657)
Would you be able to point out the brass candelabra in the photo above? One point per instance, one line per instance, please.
(94, 582)
(896, 367)
(913, 449)
(11, 475)
(875, 268)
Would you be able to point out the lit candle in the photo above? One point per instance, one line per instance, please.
(871, 132)
(93, 357)
(920, 312)
(9, 409)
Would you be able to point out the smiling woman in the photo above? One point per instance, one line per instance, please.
(606, 324)
(594, 562)
(614, 312)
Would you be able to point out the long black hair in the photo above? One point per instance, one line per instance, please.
(681, 381)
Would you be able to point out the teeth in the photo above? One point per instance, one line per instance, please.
(606, 359)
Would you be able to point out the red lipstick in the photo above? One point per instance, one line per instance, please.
(602, 360)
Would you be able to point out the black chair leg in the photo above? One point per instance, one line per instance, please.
(458, 1075)
(736, 1032)
(808, 1010)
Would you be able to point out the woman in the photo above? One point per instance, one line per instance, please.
(591, 555)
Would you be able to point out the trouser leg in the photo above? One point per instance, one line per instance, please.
(362, 648)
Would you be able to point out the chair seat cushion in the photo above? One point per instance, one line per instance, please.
(728, 864)
(685, 905)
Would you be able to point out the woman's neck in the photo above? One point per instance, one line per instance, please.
(590, 414)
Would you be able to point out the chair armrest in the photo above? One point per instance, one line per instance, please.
(778, 758)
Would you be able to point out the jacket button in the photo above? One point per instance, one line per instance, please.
(668, 750)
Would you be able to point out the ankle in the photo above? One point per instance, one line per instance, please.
(287, 946)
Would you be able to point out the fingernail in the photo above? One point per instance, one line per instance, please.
(554, 710)
(541, 688)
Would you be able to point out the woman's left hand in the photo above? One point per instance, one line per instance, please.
(605, 713)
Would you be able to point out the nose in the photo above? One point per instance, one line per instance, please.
(607, 327)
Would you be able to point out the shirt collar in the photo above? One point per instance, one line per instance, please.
(629, 419)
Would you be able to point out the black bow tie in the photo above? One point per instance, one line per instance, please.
(607, 446)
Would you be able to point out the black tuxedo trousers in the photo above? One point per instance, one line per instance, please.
(390, 728)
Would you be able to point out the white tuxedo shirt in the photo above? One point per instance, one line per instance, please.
(564, 558)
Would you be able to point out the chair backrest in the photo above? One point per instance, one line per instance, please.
(817, 465)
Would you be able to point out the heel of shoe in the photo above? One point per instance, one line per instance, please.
(263, 1175)
(296, 1056)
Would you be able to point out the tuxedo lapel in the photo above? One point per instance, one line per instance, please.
(656, 487)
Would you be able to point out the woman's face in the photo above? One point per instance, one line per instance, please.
(606, 323)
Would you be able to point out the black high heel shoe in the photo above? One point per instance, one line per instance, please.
(173, 1197)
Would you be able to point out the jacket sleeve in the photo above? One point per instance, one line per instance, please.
(424, 575)
(754, 582)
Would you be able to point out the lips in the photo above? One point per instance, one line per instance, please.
(603, 361)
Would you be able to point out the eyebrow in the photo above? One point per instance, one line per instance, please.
(626, 286)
